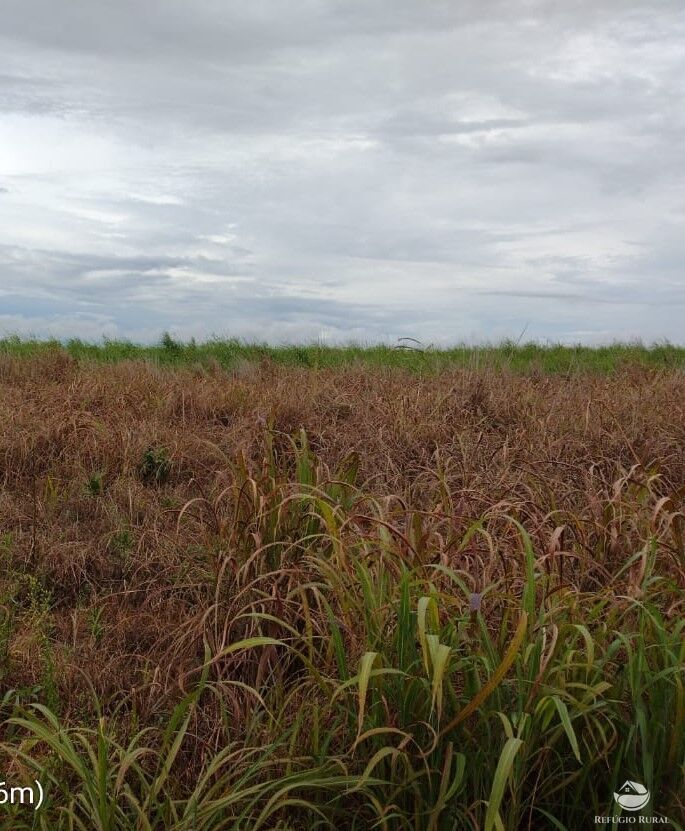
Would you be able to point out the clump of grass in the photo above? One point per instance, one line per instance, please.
(96, 484)
(155, 466)
(121, 542)
(171, 349)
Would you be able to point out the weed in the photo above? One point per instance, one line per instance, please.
(121, 543)
(95, 623)
(155, 466)
(95, 484)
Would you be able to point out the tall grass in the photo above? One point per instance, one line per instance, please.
(408, 354)
(334, 653)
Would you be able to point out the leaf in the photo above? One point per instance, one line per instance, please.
(502, 773)
(487, 689)
(373, 762)
(440, 659)
(366, 665)
(426, 606)
(562, 709)
(247, 643)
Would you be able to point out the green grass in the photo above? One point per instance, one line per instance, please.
(525, 357)
(439, 724)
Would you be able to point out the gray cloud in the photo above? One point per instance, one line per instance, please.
(442, 170)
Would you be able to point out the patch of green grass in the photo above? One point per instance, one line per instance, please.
(121, 543)
(96, 484)
(155, 466)
(232, 352)
(435, 722)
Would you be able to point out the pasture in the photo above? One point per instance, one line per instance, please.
(394, 589)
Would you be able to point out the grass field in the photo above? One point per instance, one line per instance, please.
(248, 588)
(405, 354)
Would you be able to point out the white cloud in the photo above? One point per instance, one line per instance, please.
(444, 170)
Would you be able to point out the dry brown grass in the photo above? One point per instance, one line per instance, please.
(572, 452)
(121, 585)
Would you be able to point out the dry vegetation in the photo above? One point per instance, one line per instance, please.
(351, 598)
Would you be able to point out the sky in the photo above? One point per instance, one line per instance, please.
(343, 170)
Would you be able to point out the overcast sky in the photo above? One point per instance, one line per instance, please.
(336, 170)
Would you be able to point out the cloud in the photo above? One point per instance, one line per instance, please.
(443, 170)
